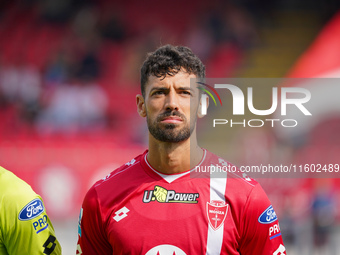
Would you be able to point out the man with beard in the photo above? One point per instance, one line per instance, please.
(153, 205)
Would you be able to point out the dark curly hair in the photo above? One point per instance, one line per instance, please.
(169, 60)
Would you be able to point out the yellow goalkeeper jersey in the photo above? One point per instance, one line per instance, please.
(25, 228)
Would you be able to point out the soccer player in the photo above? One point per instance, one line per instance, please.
(152, 206)
(25, 228)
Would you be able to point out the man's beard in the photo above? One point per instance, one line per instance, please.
(168, 132)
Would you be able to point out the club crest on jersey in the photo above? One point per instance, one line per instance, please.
(268, 216)
(163, 195)
(31, 210)
(216, 212)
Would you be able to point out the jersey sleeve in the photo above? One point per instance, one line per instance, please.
(91, 231)
(25, 227)
(260, 227)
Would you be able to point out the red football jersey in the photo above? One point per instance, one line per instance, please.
(137, 210)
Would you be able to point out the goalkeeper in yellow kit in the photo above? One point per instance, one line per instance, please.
(25, 228)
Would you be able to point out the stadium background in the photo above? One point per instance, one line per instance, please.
(69, 72)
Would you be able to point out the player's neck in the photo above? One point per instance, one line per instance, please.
(173, 158)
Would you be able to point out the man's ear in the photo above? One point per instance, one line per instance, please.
(203, 106)
(141, 105)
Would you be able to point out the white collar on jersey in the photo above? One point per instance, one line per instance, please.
(172, 177)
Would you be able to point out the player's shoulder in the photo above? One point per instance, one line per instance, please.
(120, 178)
(116, 184)
(9, 180)
(231, 172)
(12, 188)
(124, 172)
(240, 188)
(18, 198)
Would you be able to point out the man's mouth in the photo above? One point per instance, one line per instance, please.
(171, 119)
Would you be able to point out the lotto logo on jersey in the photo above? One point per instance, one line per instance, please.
(121, 214)
(280, 251)
(163, 195)
(216, 212)
(131, 162)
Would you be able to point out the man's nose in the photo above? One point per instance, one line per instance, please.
(171, 101)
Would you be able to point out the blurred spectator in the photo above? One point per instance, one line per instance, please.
(134, 53)
(21, 82)
(56, 11)
(110, 24)
(89, 66)
(87, 42)
(85, 23)
(242, 29)
(323, 213)
(199, 38)
(58, 69)
(216, 24)
(229, 22)
(79, 107)
(20, 85)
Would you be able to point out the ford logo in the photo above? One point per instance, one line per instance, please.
(268, 216)
(32, 210)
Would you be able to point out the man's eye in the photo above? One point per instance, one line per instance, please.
(186, 92)
(160, 92)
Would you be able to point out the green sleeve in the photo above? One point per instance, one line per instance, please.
(25, 228)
